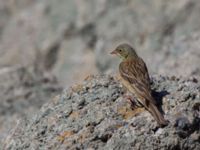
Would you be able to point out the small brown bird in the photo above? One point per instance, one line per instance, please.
(135, 78)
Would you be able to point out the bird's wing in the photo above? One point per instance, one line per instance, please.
(136, 73)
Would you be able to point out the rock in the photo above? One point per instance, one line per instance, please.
(93, 115)
(93, 28)
(49, 29)
(156, 29)
(183, 57)
(23, 91)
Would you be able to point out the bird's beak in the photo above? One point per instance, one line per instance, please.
(113, 52)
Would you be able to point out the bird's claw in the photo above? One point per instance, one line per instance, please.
(131, 101)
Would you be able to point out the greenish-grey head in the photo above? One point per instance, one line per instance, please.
(125, 51)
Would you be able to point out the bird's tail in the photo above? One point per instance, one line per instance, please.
(152, 108)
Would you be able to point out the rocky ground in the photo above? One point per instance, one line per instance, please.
(22, 92)
(48, 45)
(93, 115)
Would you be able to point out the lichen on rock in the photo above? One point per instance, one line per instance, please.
(94, 115)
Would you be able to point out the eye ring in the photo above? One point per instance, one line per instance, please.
(120, 50)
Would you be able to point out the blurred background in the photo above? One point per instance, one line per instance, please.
(48, 45)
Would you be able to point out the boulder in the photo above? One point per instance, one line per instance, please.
(94, 115)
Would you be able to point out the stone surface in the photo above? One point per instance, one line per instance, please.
(61, 31)
(93, 115)
(182, 57)
(23, 91)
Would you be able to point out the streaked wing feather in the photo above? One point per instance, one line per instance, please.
(136, 73)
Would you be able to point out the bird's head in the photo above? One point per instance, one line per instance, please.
(125, 51)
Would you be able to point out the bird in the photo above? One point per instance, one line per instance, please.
(135, 78)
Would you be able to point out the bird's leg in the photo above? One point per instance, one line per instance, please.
(130, 100)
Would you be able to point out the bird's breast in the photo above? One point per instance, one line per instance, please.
(128, 85)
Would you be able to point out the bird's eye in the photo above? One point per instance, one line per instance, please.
(120, 50)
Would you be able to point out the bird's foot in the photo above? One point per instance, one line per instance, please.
(131, 101)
